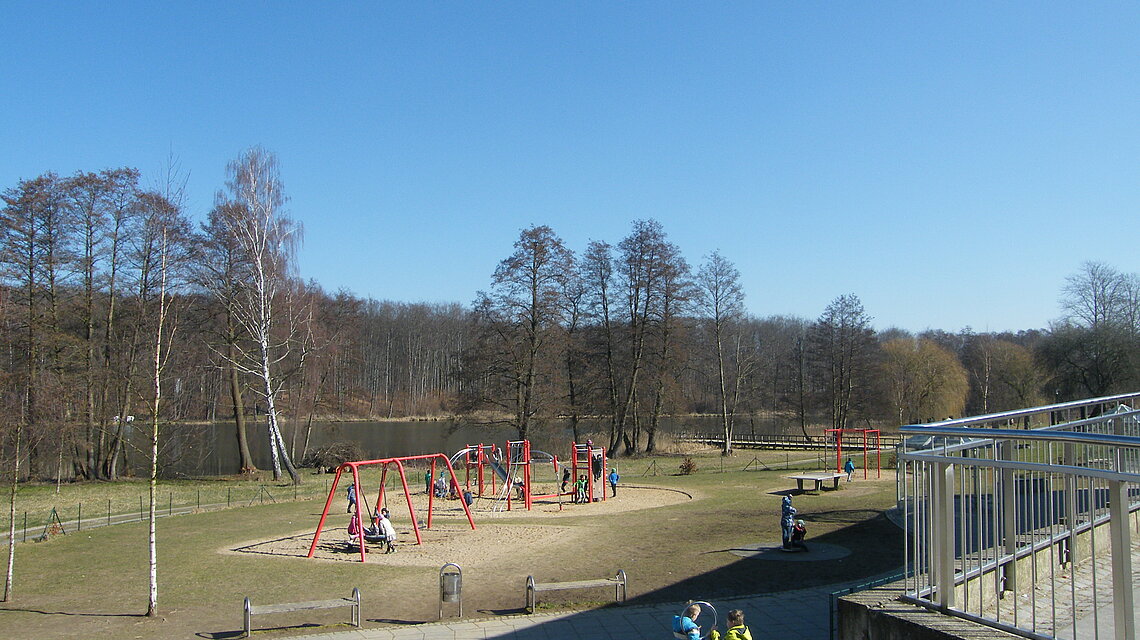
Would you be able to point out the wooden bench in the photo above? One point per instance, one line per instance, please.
(255, 610)
(618, 582)
(817, 478)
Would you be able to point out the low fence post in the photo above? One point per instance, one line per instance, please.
(79, 522)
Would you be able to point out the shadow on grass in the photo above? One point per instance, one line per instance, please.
(874, 542)
(511, 611)
(240, 633)
(75, 613)
(395, 621)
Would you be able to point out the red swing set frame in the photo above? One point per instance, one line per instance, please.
(866, 460)
(354, 467)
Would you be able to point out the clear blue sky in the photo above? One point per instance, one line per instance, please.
(949, 163)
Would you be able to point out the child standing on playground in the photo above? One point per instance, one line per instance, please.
(736, 628)
(351, 496)
(849, 468)
(613, 481)
(580, 489)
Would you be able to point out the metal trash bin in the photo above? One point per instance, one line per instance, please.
(450, 586)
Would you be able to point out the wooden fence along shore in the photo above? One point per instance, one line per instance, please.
(854, 443)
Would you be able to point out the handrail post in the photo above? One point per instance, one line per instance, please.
(1008, 512)
(1070, 500)
(942, 541)
(1121, 549)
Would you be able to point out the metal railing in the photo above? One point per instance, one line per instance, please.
(1026, 529)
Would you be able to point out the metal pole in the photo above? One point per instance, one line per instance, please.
(108, 512)
(943, 534)
(1122, 600)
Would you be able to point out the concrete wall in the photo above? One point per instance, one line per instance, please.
(877, 614)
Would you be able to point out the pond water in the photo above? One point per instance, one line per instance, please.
(211, 448)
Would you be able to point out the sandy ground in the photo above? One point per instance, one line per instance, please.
(452, 537)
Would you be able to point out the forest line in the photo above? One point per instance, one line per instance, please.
(631, 331)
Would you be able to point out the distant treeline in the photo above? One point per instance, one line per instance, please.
(629, 331)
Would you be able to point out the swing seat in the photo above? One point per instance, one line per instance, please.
(380, 539)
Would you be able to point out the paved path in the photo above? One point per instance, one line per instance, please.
(803, 615)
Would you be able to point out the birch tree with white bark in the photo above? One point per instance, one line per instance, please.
(269, 238)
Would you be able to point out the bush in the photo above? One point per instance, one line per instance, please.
(333, 455)
(688, 465)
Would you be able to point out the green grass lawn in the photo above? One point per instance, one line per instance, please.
(93, 583)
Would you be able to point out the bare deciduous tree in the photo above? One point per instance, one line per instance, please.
(722, 303)
(841, 344)
(520, 319)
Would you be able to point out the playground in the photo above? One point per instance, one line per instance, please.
(673, 534)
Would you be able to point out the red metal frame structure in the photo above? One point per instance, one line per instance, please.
(515, 460)
(399, 462)
(476, 456)
(839, 450)
(588, 451)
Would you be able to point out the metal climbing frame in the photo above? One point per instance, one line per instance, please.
(584, 458)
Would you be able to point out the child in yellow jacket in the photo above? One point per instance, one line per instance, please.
(736, 628)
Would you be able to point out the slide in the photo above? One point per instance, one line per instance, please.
(494, 464)
(499, 470)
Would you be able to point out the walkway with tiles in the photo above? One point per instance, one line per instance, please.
(803, 614)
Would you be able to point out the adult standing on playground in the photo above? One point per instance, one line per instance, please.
(351, 496)
(849, 468)
(613, 481)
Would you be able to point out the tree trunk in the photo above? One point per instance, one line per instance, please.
(8, 583)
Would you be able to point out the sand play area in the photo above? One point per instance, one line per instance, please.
(451, 536)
